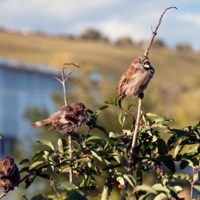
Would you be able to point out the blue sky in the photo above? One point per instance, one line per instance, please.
(114, 18)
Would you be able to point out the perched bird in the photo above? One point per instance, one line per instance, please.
(66, 120)
(136, 78)
(9, 174)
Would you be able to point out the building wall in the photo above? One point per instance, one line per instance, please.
(21, 89)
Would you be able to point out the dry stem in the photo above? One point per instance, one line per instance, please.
(132, 150)
(65, 100)
(52, 184)
(154, 33)
(137, 124)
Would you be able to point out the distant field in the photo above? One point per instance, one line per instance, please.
(174, 91)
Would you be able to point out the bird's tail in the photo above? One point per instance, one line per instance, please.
(40, 123)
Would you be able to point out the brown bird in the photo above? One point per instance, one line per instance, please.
(136, 78)
(9, 174)
(66, 120)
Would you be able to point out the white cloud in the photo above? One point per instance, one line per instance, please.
(115, 18)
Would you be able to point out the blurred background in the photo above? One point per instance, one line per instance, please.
(103, 37)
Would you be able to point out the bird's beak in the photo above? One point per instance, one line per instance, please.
(85, 109)
(146, 64)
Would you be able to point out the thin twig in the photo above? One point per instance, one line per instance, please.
(52, 184)
(25, 197)
(129, 167)
(132, 150)
(63, 82)
(4, 194)
(155, 32)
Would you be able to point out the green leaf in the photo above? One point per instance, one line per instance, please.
(116, 100)
(24, 169)
(100, 109)
(129, 107)
(106, 190)
(190, 141)
(162, 147)
(144, 196)
(161, 196)
(151, 115)
(111, 167)
(45, 176)
(117, 159)
(178, 149)
(60, 143)
(96, 155)
(130, 179)
(102, 129)
(89, 111)
(146, 188)
(47, 143)
(159, 119)
(36, 164)
(160, 188)
(24, 161)
(197, 187)
(196, 125)
(39, 197)
(183, 164)
(88, 180)
(120, 103)
(182, 176)
(28, 183)
(75, 195)
(108, 102)
(119, 118)
(192, 152)
(139, 177)
(178, 188)
(178, 134)
(93, 139)
(65, 185)
(120, 180)
(170, 165)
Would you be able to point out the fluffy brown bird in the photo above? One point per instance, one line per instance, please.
(66, 120)
(9, 174)
(136, 78)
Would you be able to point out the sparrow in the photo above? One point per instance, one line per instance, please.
(67, 120)
(9, 174)
(136, 78)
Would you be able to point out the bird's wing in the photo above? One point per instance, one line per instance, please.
(129, 75)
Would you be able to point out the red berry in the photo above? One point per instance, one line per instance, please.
(120, 186)
(78, 175)
(85, 151)
(113, 182)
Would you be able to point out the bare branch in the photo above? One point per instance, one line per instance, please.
(154, 33)
(25, 197)
(3, 194)
(65, 100)
(65, 79)
(137, 124)
(52, 184)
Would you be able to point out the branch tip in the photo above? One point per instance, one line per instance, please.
(155, 32)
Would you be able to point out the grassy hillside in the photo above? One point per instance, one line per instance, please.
(174, 91)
